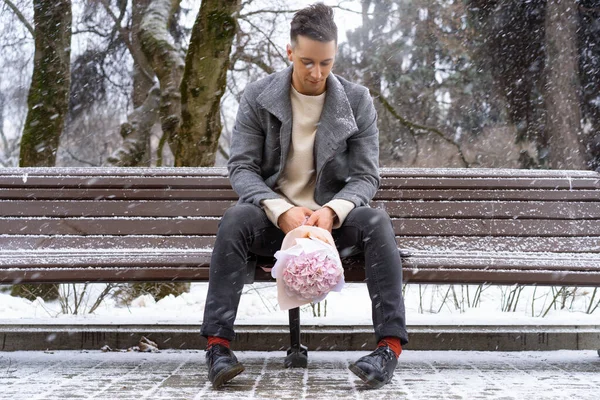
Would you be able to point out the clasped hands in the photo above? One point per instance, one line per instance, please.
(297, 216)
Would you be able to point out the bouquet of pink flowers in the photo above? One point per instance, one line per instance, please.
(308, 267)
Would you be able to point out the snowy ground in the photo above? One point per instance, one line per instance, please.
(182, 375)
(425, 306)
(420, 375)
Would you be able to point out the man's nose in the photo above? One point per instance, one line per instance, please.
(316, 72)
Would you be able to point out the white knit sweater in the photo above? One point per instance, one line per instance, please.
(296, 185)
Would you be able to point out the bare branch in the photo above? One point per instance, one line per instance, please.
(256, 60)
(89, 30)
(107, 289)
(414, 128)
(21, 17)
(138, 56)
(352, 11)
(74, 157)
(283, 57)
(242, 16)
(286, 11)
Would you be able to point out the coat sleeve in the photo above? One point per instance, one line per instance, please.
(246, 154)
(363, 156)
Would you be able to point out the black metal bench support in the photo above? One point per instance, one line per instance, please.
(297, 354)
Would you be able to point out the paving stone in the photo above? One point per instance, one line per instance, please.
(183, 375)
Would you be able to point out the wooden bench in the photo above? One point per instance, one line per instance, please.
(534, 227)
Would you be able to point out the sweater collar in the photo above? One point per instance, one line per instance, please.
(337, 121)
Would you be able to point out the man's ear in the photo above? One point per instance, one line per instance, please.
(289, 51)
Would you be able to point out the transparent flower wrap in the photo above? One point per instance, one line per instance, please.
(308, 267)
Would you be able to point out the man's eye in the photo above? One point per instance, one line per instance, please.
(308, 64)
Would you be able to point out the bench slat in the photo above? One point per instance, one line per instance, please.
(195, 267)
(170, 258)
(217, 182)
(495, 227)
(485, 172)
(490, 183)
(222, 171)
(107, 208)
(116, 182)
(405, 209)
(110, 226)
(135, 242)
(556, 244)
(115, 171)
(208, 226)
(490, 195)
(423, 275)
(118, 194)
(539, 278)
(228, 194)
(431, 244)
(491, 209)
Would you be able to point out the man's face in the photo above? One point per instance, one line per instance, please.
(313, 61)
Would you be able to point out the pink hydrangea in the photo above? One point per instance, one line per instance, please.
(311, 276)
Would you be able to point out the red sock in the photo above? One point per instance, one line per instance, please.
(212, 340)
(393, 343)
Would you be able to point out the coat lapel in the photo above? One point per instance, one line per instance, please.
(337, 122)
(276, 100)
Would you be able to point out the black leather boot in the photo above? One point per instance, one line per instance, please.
(222, 364)
(377, 368)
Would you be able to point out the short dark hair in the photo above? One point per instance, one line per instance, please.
(314, 22)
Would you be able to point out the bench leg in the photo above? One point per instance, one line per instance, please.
(297, 355)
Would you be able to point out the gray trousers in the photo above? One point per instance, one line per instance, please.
(245, 229)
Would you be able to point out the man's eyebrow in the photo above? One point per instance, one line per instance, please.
(310, 59)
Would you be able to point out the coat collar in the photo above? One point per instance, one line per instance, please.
(337, 121)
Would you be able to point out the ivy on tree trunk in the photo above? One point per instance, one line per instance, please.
(204, 83)
(48, 99)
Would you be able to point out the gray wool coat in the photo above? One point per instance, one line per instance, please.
(346, 149)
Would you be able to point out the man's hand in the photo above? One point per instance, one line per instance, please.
(323, 218)
(293, 218)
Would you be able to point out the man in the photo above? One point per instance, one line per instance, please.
(305, 151)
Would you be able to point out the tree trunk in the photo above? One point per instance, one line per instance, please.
(135, 150)
(48, 99)
(142, 84)
(563, 125)
(166, 62)
(141, 81)
(204, 83)
(4, 143)
(48, 102)
(424, 60)
(371, 74)
(136, 132)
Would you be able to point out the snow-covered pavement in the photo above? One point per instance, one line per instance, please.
(182, 375)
